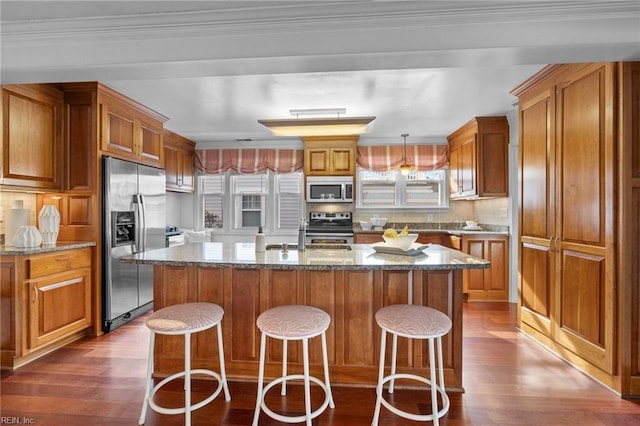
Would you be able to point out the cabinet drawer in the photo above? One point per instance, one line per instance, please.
(58, 262)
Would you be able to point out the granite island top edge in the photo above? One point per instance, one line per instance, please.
(45, 248)
(361, 257)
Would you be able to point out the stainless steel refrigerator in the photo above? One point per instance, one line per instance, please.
(133, 221)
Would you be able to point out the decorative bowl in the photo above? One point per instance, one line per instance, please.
(403, 242)
(364, 225)
(378, 221)
(472, 223)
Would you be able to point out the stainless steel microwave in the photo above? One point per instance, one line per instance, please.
(330, 189)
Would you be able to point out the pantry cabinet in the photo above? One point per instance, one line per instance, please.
(179, 154)
(569, 167)
(330, 156)
(492, 283)
(46, 302)
(32, 137)
(478, 159)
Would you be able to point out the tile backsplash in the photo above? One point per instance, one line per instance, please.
(6, 204)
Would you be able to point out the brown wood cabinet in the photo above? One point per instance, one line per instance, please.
(47, 304)
(492, 283)
(478, 158)
(324, 156)
(575, 176)
(179, 154)
(129, 130)
(367, 238)
(32, 144)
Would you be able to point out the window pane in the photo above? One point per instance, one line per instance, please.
(212, 211)
(250, 218)
(251, 202)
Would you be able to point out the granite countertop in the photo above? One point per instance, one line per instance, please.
(360, 257)
(15, 251)
(438, 228)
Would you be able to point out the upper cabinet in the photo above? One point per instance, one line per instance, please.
(129, 130)
(179, 154)
(478, 158)
(330, 155)
(32, 144)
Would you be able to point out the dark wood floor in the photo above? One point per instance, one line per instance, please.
(509, 380)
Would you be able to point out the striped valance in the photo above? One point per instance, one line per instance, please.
(252, 160)
(389, 157)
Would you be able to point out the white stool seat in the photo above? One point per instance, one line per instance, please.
(184, 319)
(192, 317)
(293, 322)
(413, 322)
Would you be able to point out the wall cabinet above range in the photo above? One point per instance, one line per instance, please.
(330, 155)
(478, 158)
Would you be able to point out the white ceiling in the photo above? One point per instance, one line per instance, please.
(215, 68)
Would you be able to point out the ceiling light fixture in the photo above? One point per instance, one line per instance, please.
(405, 168)
(318, 126)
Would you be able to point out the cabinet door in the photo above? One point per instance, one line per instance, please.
(467, 168)
(341, 161)
(586, 169)
(118, 131)
(318, 161)
(491, 283)
(171, 159)
(187, 180)
(537, 220)
(32, 137)
(429, 239)
(454, 171)
(150, 148)
(58, 305)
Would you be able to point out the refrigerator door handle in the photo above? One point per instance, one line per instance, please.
(143, 230)
(138, 208)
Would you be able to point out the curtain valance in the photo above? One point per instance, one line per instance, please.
(389, 157)
(252, 160)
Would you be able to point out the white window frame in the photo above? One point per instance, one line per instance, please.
(271, 217)
(394, 191)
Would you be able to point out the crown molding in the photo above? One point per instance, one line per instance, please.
(312, 17)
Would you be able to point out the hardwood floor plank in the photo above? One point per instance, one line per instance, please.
(508, 379)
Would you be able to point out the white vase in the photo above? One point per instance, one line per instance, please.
(27, 237)
(49, 224)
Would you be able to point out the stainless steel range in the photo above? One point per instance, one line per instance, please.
(330, 228)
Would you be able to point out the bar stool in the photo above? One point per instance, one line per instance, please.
(293, 322)
(413, 322)
(184, 319)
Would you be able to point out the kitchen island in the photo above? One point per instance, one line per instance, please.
(350, 284)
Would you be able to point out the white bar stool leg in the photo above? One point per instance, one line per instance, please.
(394, 351)
(440, 364)
(149, 381)
(187, 379)
(307, 386)
(383, 344)
(256, 415)
(325, 360)
(434, 388)
(223, 373)
(283, 391)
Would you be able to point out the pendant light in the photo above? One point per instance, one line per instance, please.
(405, 168)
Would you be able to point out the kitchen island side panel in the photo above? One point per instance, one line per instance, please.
(351, 297)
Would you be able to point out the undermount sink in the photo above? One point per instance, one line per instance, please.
(311, 247)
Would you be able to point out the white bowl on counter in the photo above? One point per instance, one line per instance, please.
(378, 222)
(403, 242)
(365, 226)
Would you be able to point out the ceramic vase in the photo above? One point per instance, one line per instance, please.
(27, 237)
(49, 224)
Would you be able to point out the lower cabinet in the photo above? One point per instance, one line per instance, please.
(492, 283)
(49, 297)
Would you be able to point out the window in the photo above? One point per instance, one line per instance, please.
(393, 190)
(242, 201)
(212, 190)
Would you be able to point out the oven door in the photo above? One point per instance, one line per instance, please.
(329, 238)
